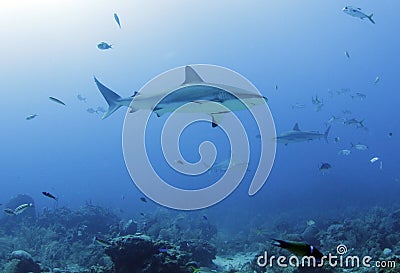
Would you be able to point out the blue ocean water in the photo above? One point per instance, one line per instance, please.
(49, 49)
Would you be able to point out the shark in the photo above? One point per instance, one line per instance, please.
(193, 89)
(296, 135)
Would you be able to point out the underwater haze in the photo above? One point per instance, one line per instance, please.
(317, 65)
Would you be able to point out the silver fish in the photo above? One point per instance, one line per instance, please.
(20, 209)
(357, 12)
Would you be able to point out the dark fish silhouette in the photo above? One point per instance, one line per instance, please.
(56, 100)
(143, 199)
(49, 195)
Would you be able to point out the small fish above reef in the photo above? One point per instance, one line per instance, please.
(31, 116)
(47, 194)
(101, 241)
(300, 249)
(56, 100)
(20, 209)
(116, 18)
(310, 222)
(143, 199)
(104, 46)
(9, 211)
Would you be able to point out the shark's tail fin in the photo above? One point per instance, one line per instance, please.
(327, 132)
(370, 18)
(111, 98)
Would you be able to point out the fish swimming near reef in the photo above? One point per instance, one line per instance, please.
(357, 12)
(9, 211)
(300, 249)
(20, 209)
(193, 89)
(101, 241)
(47, 194)
(296, 135)
(56, 100)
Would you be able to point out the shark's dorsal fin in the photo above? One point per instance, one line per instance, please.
(191, 76)
(296, 127)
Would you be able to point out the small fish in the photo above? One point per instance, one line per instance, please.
(357, 12)
(20, 209)
(298, 106)
(56, 100)
(31, 117)
(316, 100)
(9, 211)
(142, 214)
(353, 121)
(91, 111)
(81, 98)
(205, 217)
(359, 146)
(390, 134)
(377, 79)
(347, 54)
(101, 241)
(143, 199)
(104, 46)
(310, 222)
(344, 152)
(117, 19)
(47, 194)
(325, 166)
(276, 87)
(374, 159)
(336, 139)
(380, 165)
(358, 95)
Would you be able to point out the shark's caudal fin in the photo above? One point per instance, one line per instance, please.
(296, 127)
(326, 133)
(191, 76)
(370, 18)
(111, 98)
